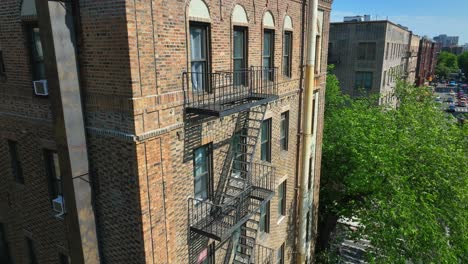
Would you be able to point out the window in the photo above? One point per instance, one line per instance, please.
(284, 130)
(202, 163)
(364, 80)
(384, 78)
(318, 54)
(199, 52)
(282, 199)
(239, 147)
(31, 251)
(308, 227)
(280, 255)
(207, 255)
(240, 55)
(366, 51)
(265, 153)
(265, 218)
(15, 161)
(37, 55)
(268, 54)
(2, 66)
(4, 250)
(287, 53)
(388, 50)
(53, 173)
(64, 259)
(309, 182)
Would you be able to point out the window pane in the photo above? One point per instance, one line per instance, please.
(238, 44)
(4, 250)
(197, 43)
(267, 44)
(15, 161)
(198, 76)
(37, 44)
(201, 172)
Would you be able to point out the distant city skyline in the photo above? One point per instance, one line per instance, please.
(431, 19)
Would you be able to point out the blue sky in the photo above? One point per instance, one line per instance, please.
(423, 17)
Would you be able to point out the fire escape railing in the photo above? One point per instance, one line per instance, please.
(216, 92)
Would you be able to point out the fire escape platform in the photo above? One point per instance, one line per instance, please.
(233, 105)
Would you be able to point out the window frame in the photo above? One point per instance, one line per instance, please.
(361, 82)
(2, 66)
(207, 50)
(287, 55)
(280, 254)
(266, 156)
(282, 196)
(245, 53)
(366, 51)
(31, 44)
(269, 75)
(16, 166)
(208, 173)
(32, 256)
(55, 183)
(264, 221)
(284, 131)
(4, 243)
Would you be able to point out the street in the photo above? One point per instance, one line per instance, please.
(444, 92)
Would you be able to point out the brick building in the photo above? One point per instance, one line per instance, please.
(154, 131)
(427, 61)
(369, 56)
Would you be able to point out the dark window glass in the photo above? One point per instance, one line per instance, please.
(280, 255)
(388, 51)
(31, 251)
(239, 147)
(199, 52)
(64, 259)
(282, 199)
(265, 154)
(309, 182)
(202, 161)
(53, 173)
(240, 55)
(364, 80)
(15, 161)
(287, 53)
(268, 54)
(2, 65)
(318, 54)
(284, 130)
(366, 51)
(265, 218)
(37, 55)
(4, 249)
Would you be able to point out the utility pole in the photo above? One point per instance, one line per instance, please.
(307, 136)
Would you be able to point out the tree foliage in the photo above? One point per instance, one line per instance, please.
(463, 62)
(402, 172)
(446, 64)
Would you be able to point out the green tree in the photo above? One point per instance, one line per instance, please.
(446, 64)
(463, 63)
(402, 172)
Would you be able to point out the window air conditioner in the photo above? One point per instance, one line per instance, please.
(40, 88)
(59, 206)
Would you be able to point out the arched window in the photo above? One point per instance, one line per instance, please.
(239, 15)
(287, 46)
(268, 20)
(198, 9)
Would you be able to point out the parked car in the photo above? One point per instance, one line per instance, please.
(452, 92)
(452, 83)
(451, 108)
(450, 99)
(462, 103)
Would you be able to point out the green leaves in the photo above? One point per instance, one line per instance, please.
(402, 172)
(446, 64)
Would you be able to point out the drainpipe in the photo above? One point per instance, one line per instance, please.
(58, 41)
(307, 137)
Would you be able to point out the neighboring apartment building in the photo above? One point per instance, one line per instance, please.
(369, 56)
(427, 61)
(412, 60)
(155, 131)
(446, 41)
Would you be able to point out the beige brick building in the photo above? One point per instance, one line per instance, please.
(154, 131)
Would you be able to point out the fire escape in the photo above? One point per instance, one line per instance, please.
(232, 214)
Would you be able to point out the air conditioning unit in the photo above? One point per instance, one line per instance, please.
(40, 88)
(58, 204)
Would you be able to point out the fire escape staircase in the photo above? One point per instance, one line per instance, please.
(244, 186)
